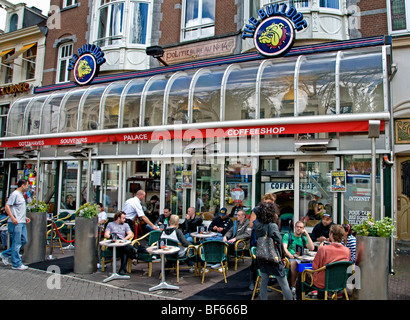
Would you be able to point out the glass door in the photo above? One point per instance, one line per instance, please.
(110, 186)
(314, 192)
(176, 196)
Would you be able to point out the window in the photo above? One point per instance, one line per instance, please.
(69, 3)
(4, 110)
(199, 19)
(332, 4)
(110, 23)
(13, 22)
(139, 24)
(64, 54)
(7, 68)
(398, 15)
(29, 60)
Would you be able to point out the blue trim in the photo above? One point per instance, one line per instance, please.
(250, 56)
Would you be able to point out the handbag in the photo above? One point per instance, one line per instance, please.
(266, 250)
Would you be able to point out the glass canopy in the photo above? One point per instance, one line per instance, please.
(344, 82)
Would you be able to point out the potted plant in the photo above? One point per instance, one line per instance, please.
(86, 229)
(373, 247)
(35, 249)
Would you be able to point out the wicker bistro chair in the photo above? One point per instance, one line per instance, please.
(213, 252)
(258, 277)
(190, 256)
(335, 279)
(59, 224)
(152, 238)
(238, 251)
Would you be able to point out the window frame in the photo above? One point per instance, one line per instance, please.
(72, 3)
(66, 59)
(28, 60)
(5, 68)
(198, 27)
(390, 17)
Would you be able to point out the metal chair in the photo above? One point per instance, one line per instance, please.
(239, 250)
(214, 251)
(153, 237)
(335, 279)
(191, 255)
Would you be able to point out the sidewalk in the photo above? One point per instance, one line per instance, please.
(35, 284)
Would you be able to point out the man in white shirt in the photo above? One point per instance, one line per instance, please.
(16, 224)
(102, 215)
(133, 209)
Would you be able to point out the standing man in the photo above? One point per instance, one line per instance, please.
(133, 209)
(16, 224)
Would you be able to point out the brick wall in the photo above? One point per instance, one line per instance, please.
(73, 23)
(373, 17)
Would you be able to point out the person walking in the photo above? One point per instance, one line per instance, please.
(265, 224)
(16, 224)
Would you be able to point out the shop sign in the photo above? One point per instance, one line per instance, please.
(86, 63)
(15, 88)
(190, 134)
(274, 33)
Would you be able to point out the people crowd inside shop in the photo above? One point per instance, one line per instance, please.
(123, 232)
(153, 208)
(70, 202)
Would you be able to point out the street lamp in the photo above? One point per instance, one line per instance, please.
(156, 52)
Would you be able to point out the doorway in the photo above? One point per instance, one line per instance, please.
(403, 198)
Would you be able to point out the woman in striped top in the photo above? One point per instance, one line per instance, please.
(350, 242)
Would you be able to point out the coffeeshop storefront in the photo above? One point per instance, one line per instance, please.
(214, 133)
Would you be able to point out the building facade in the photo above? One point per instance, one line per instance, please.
(213, 122)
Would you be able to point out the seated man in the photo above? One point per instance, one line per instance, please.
(123, 231)
(220, 224)
(190, 224)
(333, 252)
(321, 231)
(163, 219)
(294, 244)
(239, 231)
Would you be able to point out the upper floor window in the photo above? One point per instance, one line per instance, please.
(65, 52)
(14, 19)
(198, 19)
(332, 4)
(7, 67)
(69, 3)
(113, 17)
(399, 16)
(29, 61)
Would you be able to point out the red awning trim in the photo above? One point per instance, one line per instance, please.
(346, 126)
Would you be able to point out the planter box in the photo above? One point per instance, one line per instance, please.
(35, 248)
(85, 256)
(372, 257)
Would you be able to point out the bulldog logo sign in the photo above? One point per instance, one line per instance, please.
(274, 33)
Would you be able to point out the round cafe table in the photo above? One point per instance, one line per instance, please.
(114, 246)
(203, 235)
(162, 253)
(70, 224)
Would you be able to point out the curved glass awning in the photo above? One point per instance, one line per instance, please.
(349, 83)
